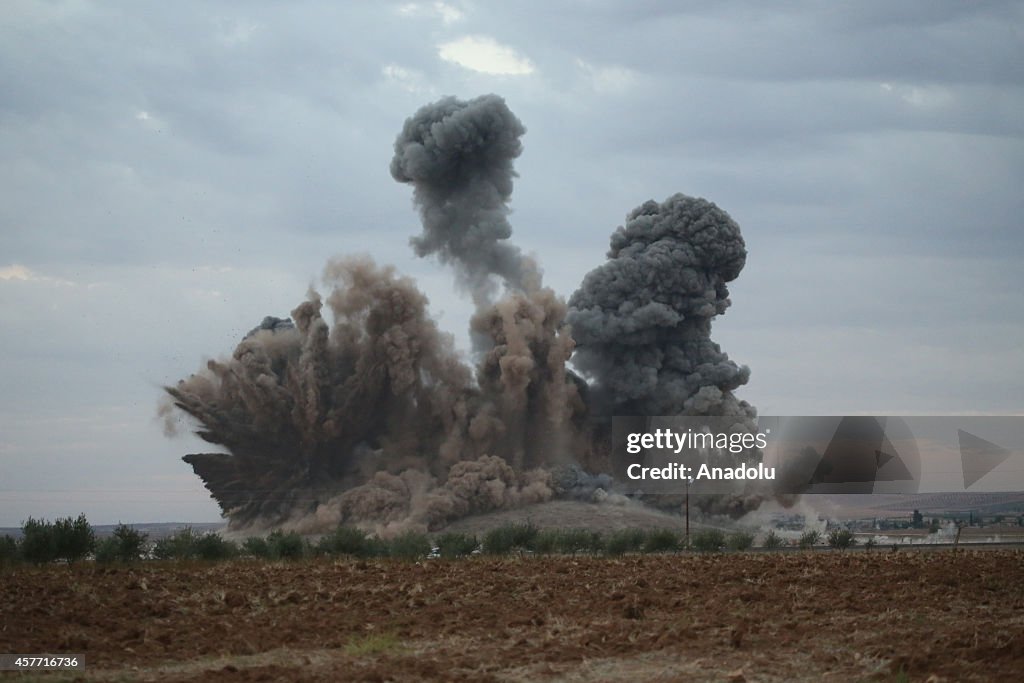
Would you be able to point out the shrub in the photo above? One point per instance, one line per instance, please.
(409, 546)
(456, 545)
(523, 534)
(73, 538)
(580, 541)
(286, 546)
(38, 541)
(809, 539)
(130, 543)
(504, 539)
(546, 541)
(107, 550)
(708, 541)
(8, 550)
(373, 644)
(124, 545)
(350, 541)
(841, 539)
(256, 546)
(625, 541)
(212, 547)
(870, 543)
(499, 540)
(741, 540)
(568, 541)
(661, 540)
(772, 540)
(180, 545)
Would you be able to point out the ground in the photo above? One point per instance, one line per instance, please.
(780, 616)
(572, 514)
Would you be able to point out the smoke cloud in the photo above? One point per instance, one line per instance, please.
(359, 410)
(458, 157)
(642, 321)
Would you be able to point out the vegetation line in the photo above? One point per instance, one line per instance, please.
(74, 540)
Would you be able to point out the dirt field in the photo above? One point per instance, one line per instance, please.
(809, 616)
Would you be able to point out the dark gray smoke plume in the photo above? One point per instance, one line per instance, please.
(642, 321)
(458, 157)
(367, 415)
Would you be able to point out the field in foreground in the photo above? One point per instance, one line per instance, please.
(757, 617)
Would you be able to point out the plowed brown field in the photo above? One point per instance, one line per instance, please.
(733, 617)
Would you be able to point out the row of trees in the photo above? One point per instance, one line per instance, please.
(840, 539)
(73, 540)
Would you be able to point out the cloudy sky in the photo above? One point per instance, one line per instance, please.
(172, 172)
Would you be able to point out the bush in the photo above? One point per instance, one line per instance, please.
(73, 538)
(567, 541)
(350, 541)
(809, 539)
(625, 541)
(212, 547)
(130, 543)
(504, 539)
(574, 541)
(38, 541)
(499, 540)
(410, 546)
(107, 550)
(124, 545)
(772, 540)
(841, 539)
(546, 541)
(741, 540)
(256, 546)
(708, 541)
(523, 534)
(8, 551)
(456, 545)
(286, 546)
(661, 540)
(180, 545)
(870, 543)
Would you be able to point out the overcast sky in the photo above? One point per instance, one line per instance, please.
(170, 173)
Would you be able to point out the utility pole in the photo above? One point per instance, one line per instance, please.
(688, 480)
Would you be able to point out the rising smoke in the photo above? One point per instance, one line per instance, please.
(371, 417)
(458, 157)
(642, 321)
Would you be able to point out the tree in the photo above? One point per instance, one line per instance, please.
(38, 541)
(8, 550)
(180, 545)
(918, 520)
(73, 538)
(130, 543)
(456, 545)
(708, 540)
(809, 539)
(741, 540)
(772, 540)
(841, 539)
(286, 546)
(211, 546)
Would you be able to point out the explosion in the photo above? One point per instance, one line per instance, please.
(371, 417)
